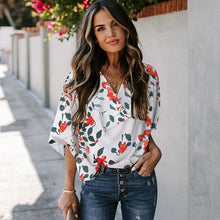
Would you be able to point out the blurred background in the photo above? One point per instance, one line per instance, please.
(179, 38)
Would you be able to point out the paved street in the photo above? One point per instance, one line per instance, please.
(31, 171)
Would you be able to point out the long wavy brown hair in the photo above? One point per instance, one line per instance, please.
(89, 59)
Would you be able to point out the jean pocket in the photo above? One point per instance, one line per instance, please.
(136, 172)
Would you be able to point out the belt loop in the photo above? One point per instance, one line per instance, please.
(102, 170)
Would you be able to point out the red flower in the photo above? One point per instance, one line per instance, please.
(63, 127)
(71, 96)
(140, 137)
(104, 84)
(148, 121)
(145, 144)
(81, 177)
(88, 150)
(147, 132)
(111, 94)
(101, 162)
(151, 70)
(122, 148)
(90, 121)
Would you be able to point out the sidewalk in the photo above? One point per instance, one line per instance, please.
(32, 173)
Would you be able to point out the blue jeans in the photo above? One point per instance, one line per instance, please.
(137, 194)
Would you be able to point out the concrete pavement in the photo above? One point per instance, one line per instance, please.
(31, 172)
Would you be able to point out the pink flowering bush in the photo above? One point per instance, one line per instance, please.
(66, 15)
(40, 6)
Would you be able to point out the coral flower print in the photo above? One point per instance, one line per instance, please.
(63, 127)
(104, 84)
(122, 148)
(90, 121)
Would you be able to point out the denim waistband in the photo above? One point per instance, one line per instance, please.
(125, 170)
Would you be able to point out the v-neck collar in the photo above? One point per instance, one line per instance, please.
(120, 88)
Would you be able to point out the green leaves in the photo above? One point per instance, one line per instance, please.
(100, 152)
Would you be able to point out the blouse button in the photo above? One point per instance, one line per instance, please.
(121, 182)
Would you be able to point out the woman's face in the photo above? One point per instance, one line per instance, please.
(109, 34)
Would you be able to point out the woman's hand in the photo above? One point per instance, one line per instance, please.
(149, 160)
(67, 201)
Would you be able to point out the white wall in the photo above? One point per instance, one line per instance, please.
(22, 51)
(60, 54)
(36, 67)
(164, 45)
(204, 105)
(5, 39)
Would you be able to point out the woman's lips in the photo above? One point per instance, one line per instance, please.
(113, 42)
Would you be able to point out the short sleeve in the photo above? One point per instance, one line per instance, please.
(153, 96)
(61, 133)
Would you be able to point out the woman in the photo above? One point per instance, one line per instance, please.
(103, 124)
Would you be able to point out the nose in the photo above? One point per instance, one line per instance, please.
(110, 32)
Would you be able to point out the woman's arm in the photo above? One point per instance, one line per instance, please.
(150, 159)
(68, 200)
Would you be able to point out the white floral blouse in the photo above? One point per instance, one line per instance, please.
(109, 136)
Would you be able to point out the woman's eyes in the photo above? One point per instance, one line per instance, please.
(102, 28)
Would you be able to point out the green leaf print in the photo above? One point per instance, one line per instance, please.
(134, 144)
(68, 116)
(62, 99)
(108, 123)
(85, 139)
(90, 108)
(127, 105)
(62, 107)
(100, 152)
(101, 90)
(79, 160)
(97, 105)
(67, 102)
(121, 119)
(89, 131)
(128, 137)
(54, 129)
(151, 94)
(111, 107)
(100, 98)
(114, 101)
(139, 148)
(84, 155)
(91, 138)
(111, 162)
(86, 176)
(126, 94)
(111, 118)
(85, 168)
(52, 141)
(114, 150)
(68, 123)
(98, 134)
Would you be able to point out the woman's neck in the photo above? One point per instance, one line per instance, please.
(113, 59)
